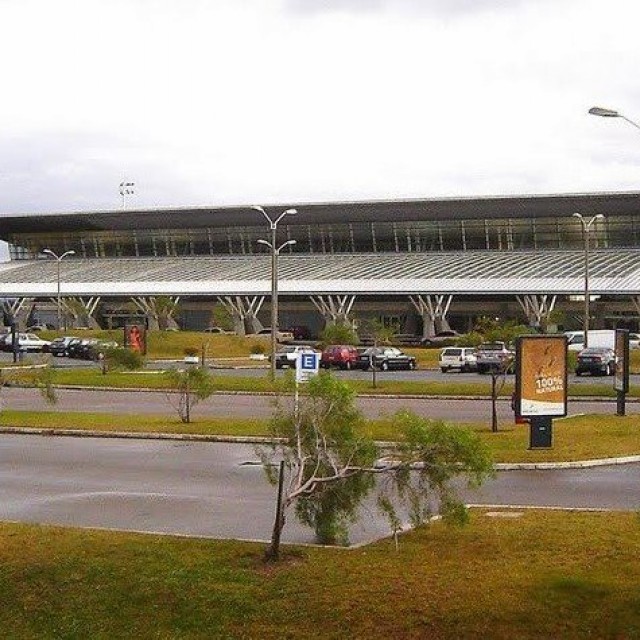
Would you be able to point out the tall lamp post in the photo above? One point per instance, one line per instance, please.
(586, 228)
(611, 113)
(126, 189)
(58, 259)
(275, 251)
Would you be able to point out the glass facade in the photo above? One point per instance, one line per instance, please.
(501, 234)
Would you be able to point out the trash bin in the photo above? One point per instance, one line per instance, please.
(540, 432)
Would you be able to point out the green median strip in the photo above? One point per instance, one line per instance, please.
(577, 438)
(386, 384)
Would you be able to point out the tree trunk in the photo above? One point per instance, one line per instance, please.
(494, 394)
(272, 553)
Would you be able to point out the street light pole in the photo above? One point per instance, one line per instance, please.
(126, 189)
(586, 228)
(58, 260)
(611, 113)
(275, 254)
(273, 225)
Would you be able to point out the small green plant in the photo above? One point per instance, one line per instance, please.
(190, 385)
(258, 348)
(338, 334)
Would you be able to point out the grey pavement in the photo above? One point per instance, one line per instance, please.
(218, 490)
(245, 405)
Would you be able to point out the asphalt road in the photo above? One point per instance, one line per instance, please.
(257, 406)
(217, 490)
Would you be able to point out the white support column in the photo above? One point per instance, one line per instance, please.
(537, 308)
(158, 315)
(244, 312)
(334, 309)
(433, 310)
(18, 310)
(81, 310)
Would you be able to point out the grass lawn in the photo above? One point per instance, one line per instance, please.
(576, 438)
(540, 575)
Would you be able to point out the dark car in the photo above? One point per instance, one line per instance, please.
(92, 350)
(60, 346)
(600, 361)
(77, 346)
(342, 356)
(385, 358)
(442, 339)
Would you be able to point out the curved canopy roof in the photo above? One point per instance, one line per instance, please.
(469, 208)
(470, 273)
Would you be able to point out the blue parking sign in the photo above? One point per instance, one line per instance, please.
(308, 365)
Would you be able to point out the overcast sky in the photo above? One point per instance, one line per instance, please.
(221, 102)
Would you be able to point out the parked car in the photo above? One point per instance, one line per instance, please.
(596, 361)
(26, 342)
(385, 358)
(634, 341)
(287, 356)
(92, 349)
(219, 331)
(441, 339)
(300, 332)
(461, 358)
(342, 356)
(494, 356)
(281, 336)
(76, 347)
(35, 328)
(5, 342)
(60, 346)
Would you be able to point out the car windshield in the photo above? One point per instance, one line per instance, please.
(452, 352)
(594, 351)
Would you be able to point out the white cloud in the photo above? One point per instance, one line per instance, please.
(241, 101)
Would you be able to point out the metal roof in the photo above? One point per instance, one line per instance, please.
(428, 209)
(469, 273)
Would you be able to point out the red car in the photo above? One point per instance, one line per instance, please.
(342, 356)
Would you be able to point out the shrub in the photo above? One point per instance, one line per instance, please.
(338, 334)
(119, 358)
(258, 348)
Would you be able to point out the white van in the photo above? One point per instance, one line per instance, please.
(597, 338)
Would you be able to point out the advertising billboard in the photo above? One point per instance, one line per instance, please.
(541, 376)
(135, 337)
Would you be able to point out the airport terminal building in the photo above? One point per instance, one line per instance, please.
(423, 264)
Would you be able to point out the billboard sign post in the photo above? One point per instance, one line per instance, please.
(307, 366)
(541, 384)
(621, 375)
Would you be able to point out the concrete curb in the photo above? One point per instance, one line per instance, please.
(260, 440)
(369, 396)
